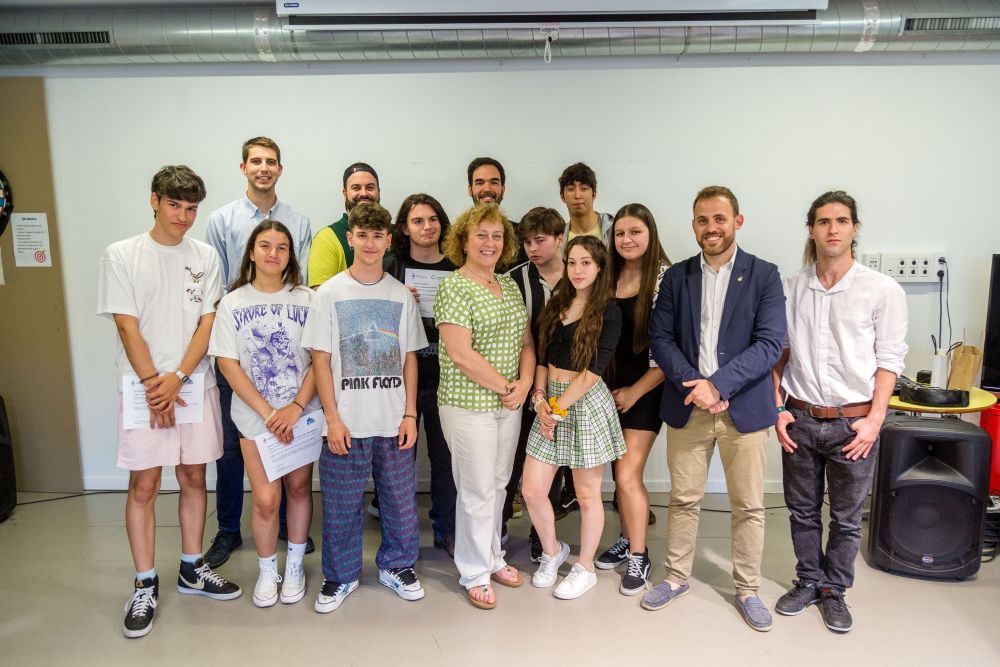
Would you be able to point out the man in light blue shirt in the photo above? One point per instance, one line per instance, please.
(229, 229)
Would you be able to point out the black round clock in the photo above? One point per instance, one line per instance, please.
(6, 202)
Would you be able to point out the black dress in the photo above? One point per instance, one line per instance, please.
(629, 367)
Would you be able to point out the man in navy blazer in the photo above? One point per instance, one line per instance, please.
(717, 329)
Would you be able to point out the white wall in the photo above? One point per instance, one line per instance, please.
(916, 145)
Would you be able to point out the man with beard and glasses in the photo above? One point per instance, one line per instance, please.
(716, 332)
(331, 253)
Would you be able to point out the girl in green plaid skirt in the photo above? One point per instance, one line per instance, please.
(577, 423)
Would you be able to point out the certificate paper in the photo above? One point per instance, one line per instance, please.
(135, 410)
(307, 440)
(426, 283)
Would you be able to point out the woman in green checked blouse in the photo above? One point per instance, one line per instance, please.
(487, 362)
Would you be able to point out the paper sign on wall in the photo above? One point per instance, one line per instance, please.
(31, 239)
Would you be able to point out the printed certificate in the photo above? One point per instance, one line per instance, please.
(426, 283)
(307, 441)
(135, 410)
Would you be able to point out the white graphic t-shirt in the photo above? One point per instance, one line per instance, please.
(263, 330)
(168, 289)
(367, 329)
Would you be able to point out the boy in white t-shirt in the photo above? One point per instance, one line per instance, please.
(160, 288)
(364, 330)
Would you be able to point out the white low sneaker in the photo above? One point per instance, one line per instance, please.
(293, 587)
(265, 593)
(548, 567)
(576, 583)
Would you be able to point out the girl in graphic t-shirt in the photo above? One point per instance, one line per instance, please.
(577, 425)
(256, 339)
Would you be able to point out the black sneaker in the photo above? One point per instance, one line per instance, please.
(140, 608)
(504, 535)
(652, 518)
(570, 504)
(198, 579)
(536, 548)
(283, 536)
(446, 542)
(836, 615)
(223, 545)
(373, 507)
(794, 602)
(635, 578)
(614, 556)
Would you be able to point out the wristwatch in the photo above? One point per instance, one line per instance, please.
(183, 378)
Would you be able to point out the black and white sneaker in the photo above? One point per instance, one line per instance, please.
(198, 579)
(614, 556)
(332, 595)
(535, 554)
(634, 580)
(140, 608)
(403, 580)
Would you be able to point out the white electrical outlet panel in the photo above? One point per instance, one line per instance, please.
(912, 267)
(872, 260)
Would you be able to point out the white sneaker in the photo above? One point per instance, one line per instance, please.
(576, 583)
(548, 568)
(332, 594)
(403, 580)
(265, 593)
(293, 587)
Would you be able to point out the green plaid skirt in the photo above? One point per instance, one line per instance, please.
(589, 436)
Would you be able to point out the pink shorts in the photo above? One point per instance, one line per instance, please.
(143, 448)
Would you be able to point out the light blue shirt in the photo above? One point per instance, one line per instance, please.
(229, 229)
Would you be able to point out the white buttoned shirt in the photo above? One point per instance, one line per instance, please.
(714, 286)
(838, 337)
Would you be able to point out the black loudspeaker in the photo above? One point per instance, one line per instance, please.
(930, 497)
(8, 485)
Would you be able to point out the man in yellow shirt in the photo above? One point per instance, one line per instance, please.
(330, 253)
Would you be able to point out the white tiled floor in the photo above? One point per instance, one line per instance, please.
(65, 574)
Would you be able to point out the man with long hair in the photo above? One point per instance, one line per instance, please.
(845, 348)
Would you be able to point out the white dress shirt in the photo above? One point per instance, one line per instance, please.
(837, 337)
(714, 286)
(229, 230)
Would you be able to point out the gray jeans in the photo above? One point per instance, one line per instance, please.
(820, 460)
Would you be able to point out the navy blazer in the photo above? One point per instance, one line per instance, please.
(751, 335)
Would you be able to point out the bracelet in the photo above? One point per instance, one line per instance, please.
(274, 411)
(413, 417)
(558, 413)
(151, 377)
(300, 406)
(538, 394)
(782, 408)
(182, 377)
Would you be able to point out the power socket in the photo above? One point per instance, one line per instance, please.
(912, 267)
(872, 260)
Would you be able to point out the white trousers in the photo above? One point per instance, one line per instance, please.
(482, 453)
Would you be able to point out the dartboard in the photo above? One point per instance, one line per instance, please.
(6, 202)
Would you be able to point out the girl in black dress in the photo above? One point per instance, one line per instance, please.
(638, 263)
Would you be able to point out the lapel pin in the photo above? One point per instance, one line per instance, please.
(739, 279)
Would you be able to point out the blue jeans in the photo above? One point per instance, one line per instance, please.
(818, 459)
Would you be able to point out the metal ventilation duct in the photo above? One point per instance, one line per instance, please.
(224, 33)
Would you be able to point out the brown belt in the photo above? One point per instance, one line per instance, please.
(830, 411)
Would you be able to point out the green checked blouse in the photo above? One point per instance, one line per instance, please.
(497, 327)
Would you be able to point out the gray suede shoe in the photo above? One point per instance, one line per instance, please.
(661, 595)
(754, 613)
